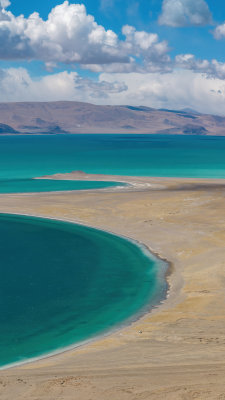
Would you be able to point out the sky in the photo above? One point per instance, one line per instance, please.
(157, 53)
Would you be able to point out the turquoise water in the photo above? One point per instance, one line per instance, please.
(153, 155)
(48, 185)
(63, 283)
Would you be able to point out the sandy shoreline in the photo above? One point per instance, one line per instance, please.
(180, 352)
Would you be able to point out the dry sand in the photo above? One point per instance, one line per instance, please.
(180, 352)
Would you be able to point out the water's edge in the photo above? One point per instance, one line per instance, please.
(34, 185)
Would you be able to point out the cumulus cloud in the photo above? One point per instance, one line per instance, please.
(72, 36)
(212, 69)
(134, 70)
(219, 32)
(17, 85)
(69, 35)
(177, 13)
(175, 90)
(3, 5)
(146, 47)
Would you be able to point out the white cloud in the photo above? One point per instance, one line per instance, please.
(3, 13)
(17, 85)
(212, 69)
(4, 3)
(70, 35)
(185, 12)
(135, 70)
(219, 32)
(147, 47)
(144, 46)
(174, 90)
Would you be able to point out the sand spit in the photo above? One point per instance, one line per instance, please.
(180, 352)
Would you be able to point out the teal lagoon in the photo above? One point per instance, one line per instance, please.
(62, 284)
(50, 185)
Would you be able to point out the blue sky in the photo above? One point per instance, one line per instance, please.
(160, 53)
(144, 16)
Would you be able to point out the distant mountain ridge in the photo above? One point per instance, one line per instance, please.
(77, 117)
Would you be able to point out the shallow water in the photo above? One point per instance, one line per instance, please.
(63, 283)
(48, 185)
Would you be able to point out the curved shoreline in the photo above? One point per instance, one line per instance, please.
(149, 308)
(33, 185)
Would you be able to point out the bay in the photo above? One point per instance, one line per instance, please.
(62, 284)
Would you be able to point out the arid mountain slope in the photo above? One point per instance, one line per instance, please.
(75, 117)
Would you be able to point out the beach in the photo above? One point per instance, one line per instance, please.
(176, 351)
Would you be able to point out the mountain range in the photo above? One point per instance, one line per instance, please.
(77, 117)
